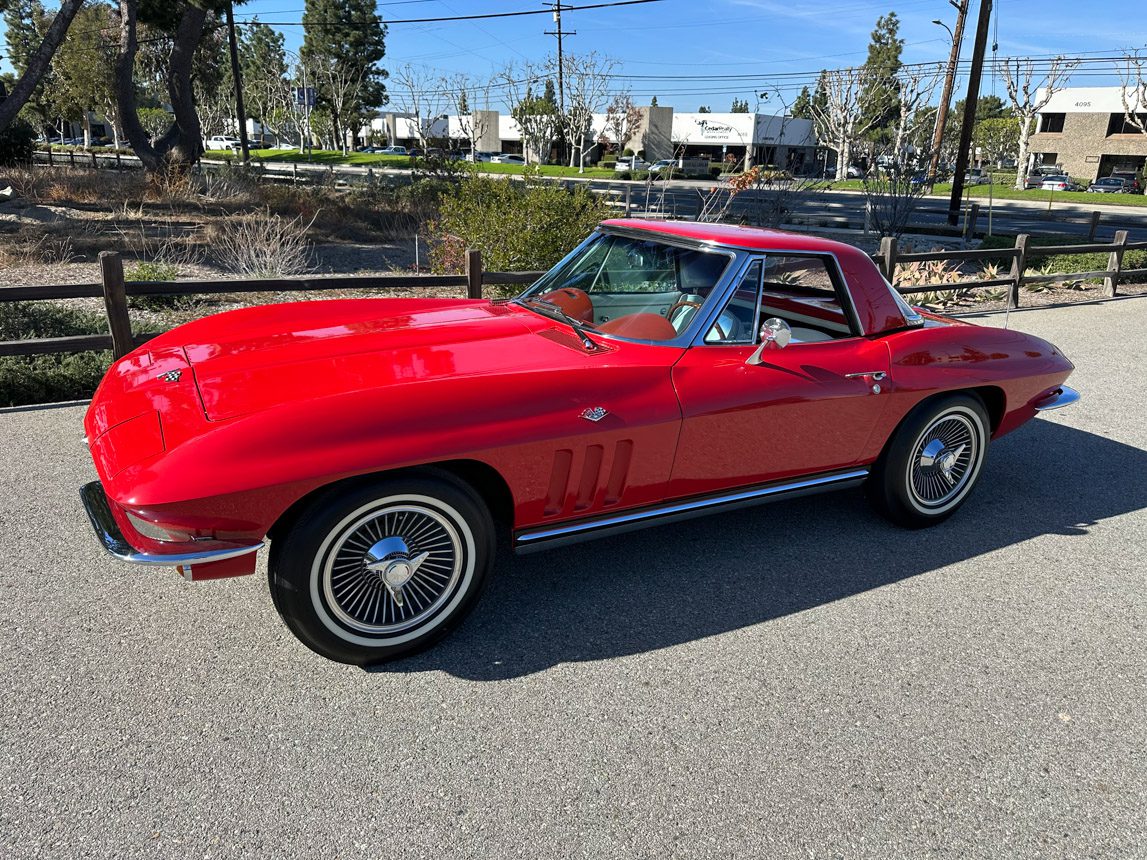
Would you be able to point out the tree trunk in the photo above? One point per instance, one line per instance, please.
(38, 63)
(1022, 159)
(182, 145)
(843, 154)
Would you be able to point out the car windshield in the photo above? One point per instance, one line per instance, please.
(631, 288)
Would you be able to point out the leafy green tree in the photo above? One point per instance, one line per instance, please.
(518, 226)
(34, 62)
(802, 105)
(704, 109)
(82, 81)
(343, 41)
(739, 106)
(653, 102)
(879, 99)
(996, 137)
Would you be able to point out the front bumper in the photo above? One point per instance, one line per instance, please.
(1062, 396)
(111, 537)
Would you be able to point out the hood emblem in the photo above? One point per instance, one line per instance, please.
(595, 413)
(171, 376)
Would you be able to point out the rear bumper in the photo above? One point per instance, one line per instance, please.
(111, 537)
(1062, 396)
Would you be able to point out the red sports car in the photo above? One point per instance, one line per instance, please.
(659, 371)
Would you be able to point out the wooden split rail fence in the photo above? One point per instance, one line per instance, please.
(114, 289)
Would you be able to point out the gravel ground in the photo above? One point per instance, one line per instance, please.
(800, 680)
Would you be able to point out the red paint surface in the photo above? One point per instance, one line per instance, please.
(274, 402)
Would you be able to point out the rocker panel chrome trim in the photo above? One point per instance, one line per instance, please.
(532, 540)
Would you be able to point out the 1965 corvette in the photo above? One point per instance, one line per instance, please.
(659, 371)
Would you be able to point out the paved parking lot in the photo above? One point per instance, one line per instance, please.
(801, 680)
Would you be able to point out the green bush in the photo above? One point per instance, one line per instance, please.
(518, 226)
(16, 143)
(49, 378)
(150, 270)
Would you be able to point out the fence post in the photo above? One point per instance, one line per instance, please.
(1115, 263)
(115, 303)
(95, 164)
(628, 199)
(1094, 225)
(888, 258)
(972, 219)
(118, 166)
(50, 162)
(72, 157)
(1019, 263)
(474, 274)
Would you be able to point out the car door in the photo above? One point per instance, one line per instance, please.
(807, 408)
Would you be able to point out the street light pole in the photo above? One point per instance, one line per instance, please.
(949, 82)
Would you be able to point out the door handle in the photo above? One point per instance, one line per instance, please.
(875, 377)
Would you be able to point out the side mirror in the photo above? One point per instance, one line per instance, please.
(775, 334)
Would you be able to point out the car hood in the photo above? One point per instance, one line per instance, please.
(254, 359)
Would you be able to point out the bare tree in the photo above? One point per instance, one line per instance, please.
(840, 121)
(916, 86)
(1133, 76)
(342, 84)
(419, 92)
(1029, 95)
(587, 84)
(622, 118)
(470, 100)
(537, 116)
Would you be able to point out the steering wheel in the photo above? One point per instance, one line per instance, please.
(689, 303)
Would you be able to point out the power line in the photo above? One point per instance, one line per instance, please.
(483, 16)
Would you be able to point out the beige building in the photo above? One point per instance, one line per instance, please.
(1084, 131)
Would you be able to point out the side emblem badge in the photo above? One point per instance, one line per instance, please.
(171, 376)
(595, 413)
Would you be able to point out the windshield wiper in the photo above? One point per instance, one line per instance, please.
(550, 309)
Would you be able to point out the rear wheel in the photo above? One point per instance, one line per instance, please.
(932, 461)
(383, 570)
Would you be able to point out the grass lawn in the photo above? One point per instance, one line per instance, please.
(371, 159)
(1007, 192)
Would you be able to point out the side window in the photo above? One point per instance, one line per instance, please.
(800, 290)
(735, 322)
(803, 292)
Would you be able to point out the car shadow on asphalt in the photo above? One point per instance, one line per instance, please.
(678, 583)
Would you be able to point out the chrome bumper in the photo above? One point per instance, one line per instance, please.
(112, 539)
(1064, 396)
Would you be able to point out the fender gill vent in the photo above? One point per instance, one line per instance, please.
(590, 475)
(559, 481)
(618, 472)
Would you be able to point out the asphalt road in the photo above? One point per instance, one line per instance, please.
(800, 680)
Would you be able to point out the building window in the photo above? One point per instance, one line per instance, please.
(1118, 124)
(1051, 122)
(1048, 159)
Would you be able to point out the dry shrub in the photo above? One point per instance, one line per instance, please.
(78, 185)
(27, 182)
(262, 245)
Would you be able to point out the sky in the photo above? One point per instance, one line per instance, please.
(679, 50)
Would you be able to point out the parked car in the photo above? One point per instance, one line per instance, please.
(977, 176)
(662, 370)
(222, 142)
(392, 150)
(1111, 185)
(480, 156)
(1061, 182)
(1130, 176)
(631, 163)
(855, 172)
(507, 158)
(664, 168)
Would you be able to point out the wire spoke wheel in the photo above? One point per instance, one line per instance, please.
(944, 460)
(392, 569)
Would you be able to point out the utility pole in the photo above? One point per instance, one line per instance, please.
(559, 32)
(946, 95)
(970, 100)
(240, 113)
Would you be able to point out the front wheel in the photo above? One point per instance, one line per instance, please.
(383, 570)
(932, 461)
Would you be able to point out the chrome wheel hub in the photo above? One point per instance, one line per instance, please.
(392, 569)
(944, 460)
